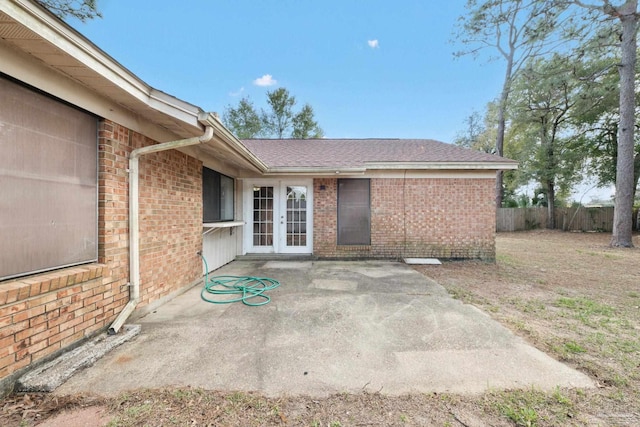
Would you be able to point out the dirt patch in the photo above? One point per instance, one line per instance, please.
(49, 410)
(571, 296)
(93, 416)
(568, 294)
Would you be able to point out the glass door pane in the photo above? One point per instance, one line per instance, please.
(296, 216)
(262, 216)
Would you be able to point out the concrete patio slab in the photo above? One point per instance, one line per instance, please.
(330, 327)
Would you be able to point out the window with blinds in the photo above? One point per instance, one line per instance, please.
(217, 196)
(354, 212)
(48, 183)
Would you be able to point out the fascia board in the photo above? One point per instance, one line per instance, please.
(390, 166)
(228, 138)
(313, 171)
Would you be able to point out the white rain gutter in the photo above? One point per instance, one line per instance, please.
(315, 171)
(134, 219)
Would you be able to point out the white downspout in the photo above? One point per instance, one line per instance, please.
(134, 219)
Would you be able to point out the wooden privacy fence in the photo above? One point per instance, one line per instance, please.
(567, 219)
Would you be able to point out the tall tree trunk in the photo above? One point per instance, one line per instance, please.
(551, 205)
(500, 143)
(504, 97)
(636, 179)
(546, 141)
(623, 212)
(636, 175)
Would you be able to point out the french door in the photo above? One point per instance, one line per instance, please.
(279, 216)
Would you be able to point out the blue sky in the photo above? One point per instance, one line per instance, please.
(370, 69)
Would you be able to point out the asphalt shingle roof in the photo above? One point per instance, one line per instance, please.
(327, 153)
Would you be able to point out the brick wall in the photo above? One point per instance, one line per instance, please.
(170, 213)
(170, 221)
(414, 217)
(44, 313)
(325, 217)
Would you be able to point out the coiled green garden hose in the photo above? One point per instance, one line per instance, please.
(247, 287)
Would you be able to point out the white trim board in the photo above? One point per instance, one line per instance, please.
(422, 261)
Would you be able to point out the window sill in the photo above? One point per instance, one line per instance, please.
(224, 224)
(213, 226)
(30, 286)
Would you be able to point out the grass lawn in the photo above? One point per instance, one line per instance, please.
(573, 297)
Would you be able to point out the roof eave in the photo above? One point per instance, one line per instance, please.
(233, 143)
(315, 171)
(335, 170)
(74, 44)
(173, 116)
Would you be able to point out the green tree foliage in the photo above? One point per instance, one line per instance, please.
(80, 9)
(304, 125)
(544, 97)
(480, 131)
(516, 148)
(597, 122)
(521, 30)
(243, 120)
(514, 31)
(278, 121)
(597, 114)
(279, 118)
(627, 17)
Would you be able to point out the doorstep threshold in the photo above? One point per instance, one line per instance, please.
(279, 257)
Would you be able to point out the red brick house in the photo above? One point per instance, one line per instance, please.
(372, 198)
(110, 189)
